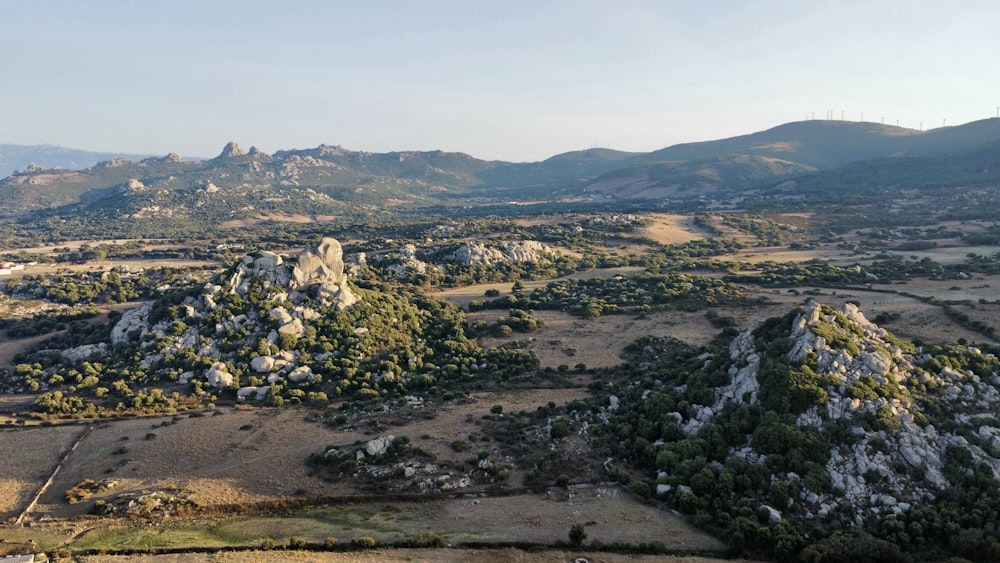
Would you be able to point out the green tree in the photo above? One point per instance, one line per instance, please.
(577, 533)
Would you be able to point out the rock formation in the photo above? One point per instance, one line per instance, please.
(865, 374)
(230, 150)
(506, 251)
(317, 273)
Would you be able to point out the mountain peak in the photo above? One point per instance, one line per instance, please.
(232, 149)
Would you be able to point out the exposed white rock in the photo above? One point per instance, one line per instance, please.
(232, 149)
(378, 446)
(83, 352)
(293, 327)
(613, 403)
(133, 186)
(301, 373)
(513, 251)
(325, 263)
(262, 364)
(258, 393)
(131, 320)
(218, 377)
(281, 315)
(773, 514)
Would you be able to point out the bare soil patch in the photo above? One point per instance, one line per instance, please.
(277, 218)
(667, 228)
(211, 457)
(27, 458)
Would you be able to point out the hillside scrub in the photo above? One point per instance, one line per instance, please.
(195, 345)
(763, 438)
(591, 298)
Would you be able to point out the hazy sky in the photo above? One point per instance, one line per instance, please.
(512, 80)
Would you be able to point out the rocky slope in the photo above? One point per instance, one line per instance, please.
(820, 419)
(874, 378)
(317, 273)
(269, 328)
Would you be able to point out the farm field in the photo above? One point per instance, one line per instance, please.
(268, 449)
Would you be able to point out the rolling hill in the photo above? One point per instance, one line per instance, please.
(247, 183)
(786, 151)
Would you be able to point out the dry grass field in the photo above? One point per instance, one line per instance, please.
(567, 339)
(242, 456)
(666, 228)
(248, 455)
(611, 515)
(570, 340)
(27, 458)
(103, 265)
(277, 218)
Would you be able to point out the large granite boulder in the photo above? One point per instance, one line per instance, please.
(218, 377)
(132, 320)
(323, 264)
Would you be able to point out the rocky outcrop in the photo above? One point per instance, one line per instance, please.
(218, 377)
(250, 392)
(502, 252)
(262, 364)
(866, 375)
(377, 446)
(301, 373)
(133, 186)
(407, 263)
(292, 295)
(323, 264)
(323, 267)
(232, 149)
(84, 352)
(132, 321)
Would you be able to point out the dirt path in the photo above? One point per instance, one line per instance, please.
(48, 482)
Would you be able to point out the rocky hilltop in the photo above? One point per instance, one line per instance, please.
(873, 378)
(409, 259)
(318, 272)
(821, 419)
(271, 328)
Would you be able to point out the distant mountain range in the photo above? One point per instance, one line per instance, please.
(237, 184)
(20, 157)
